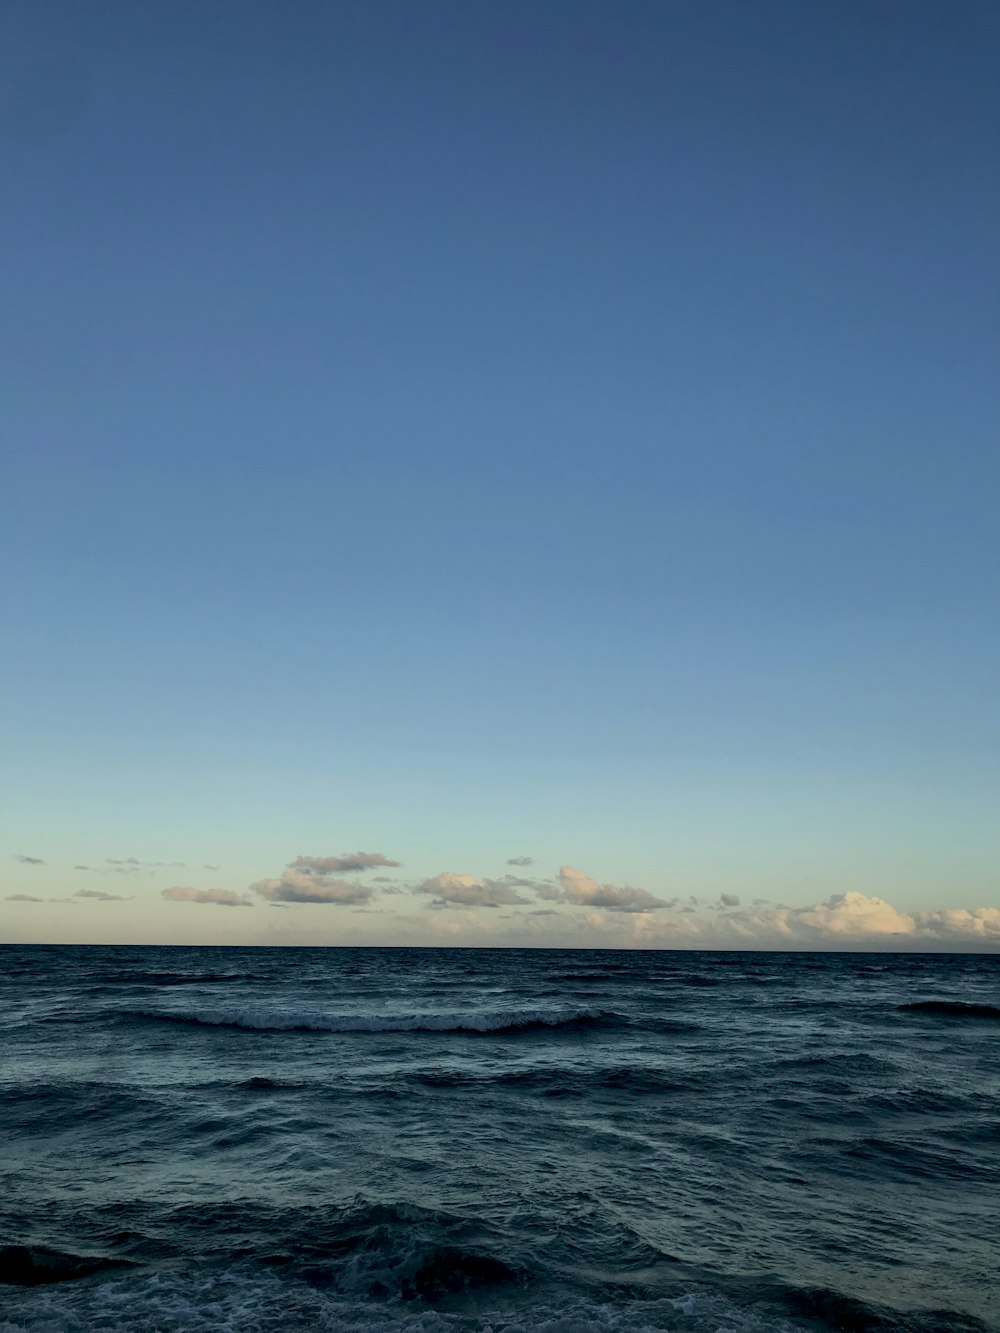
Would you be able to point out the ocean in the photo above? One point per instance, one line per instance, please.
(505, 1141)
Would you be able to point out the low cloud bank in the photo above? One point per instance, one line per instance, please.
(842, 921)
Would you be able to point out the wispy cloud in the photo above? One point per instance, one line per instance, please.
(101, 897)
(581, 889)
(23, 898)
(121, 861)
(467, 891)
(521, 861)
(218, 897)
(29, 860)
(349, 863)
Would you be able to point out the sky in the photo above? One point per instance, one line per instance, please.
(549, 445)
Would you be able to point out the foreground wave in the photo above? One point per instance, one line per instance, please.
(244, 1302)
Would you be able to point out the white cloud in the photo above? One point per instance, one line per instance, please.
(296, 886)
(220, 897)
(960, 923)
(579, 888)
(467, 891)
(850, 914)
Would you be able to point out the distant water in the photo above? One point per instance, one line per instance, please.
(248, 1140)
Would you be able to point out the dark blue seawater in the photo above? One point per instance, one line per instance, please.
(546, 1141)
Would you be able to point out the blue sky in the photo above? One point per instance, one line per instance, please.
(482, 429)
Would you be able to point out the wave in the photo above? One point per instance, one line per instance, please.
(37, 1266)
(558, 1081)
(239, 1298)
(234, 1300)
(488, 1022)
(173, 978)
(261, 1083)
(835, 1310)
(952, 1008)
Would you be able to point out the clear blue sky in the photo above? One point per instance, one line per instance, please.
(479, 429)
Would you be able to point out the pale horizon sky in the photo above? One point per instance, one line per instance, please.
(487, 430)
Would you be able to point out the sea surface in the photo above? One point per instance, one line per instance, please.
(497, 1140)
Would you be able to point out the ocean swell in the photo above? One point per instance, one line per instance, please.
(489, 1022)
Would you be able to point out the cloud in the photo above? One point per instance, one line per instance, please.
(849, 914)
(23, 898)
(548, 891)
(960, 923)
(521, 861)
(120, 865)
(580, 889)
(30, 860)
(729, 899)
(296, 886)
(81, 867)
(220, 897)
(211, 867)
(101, 897)
(842, 921)
(349, 863)
(467, 891)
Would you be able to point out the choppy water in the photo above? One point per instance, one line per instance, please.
(522, 1142)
